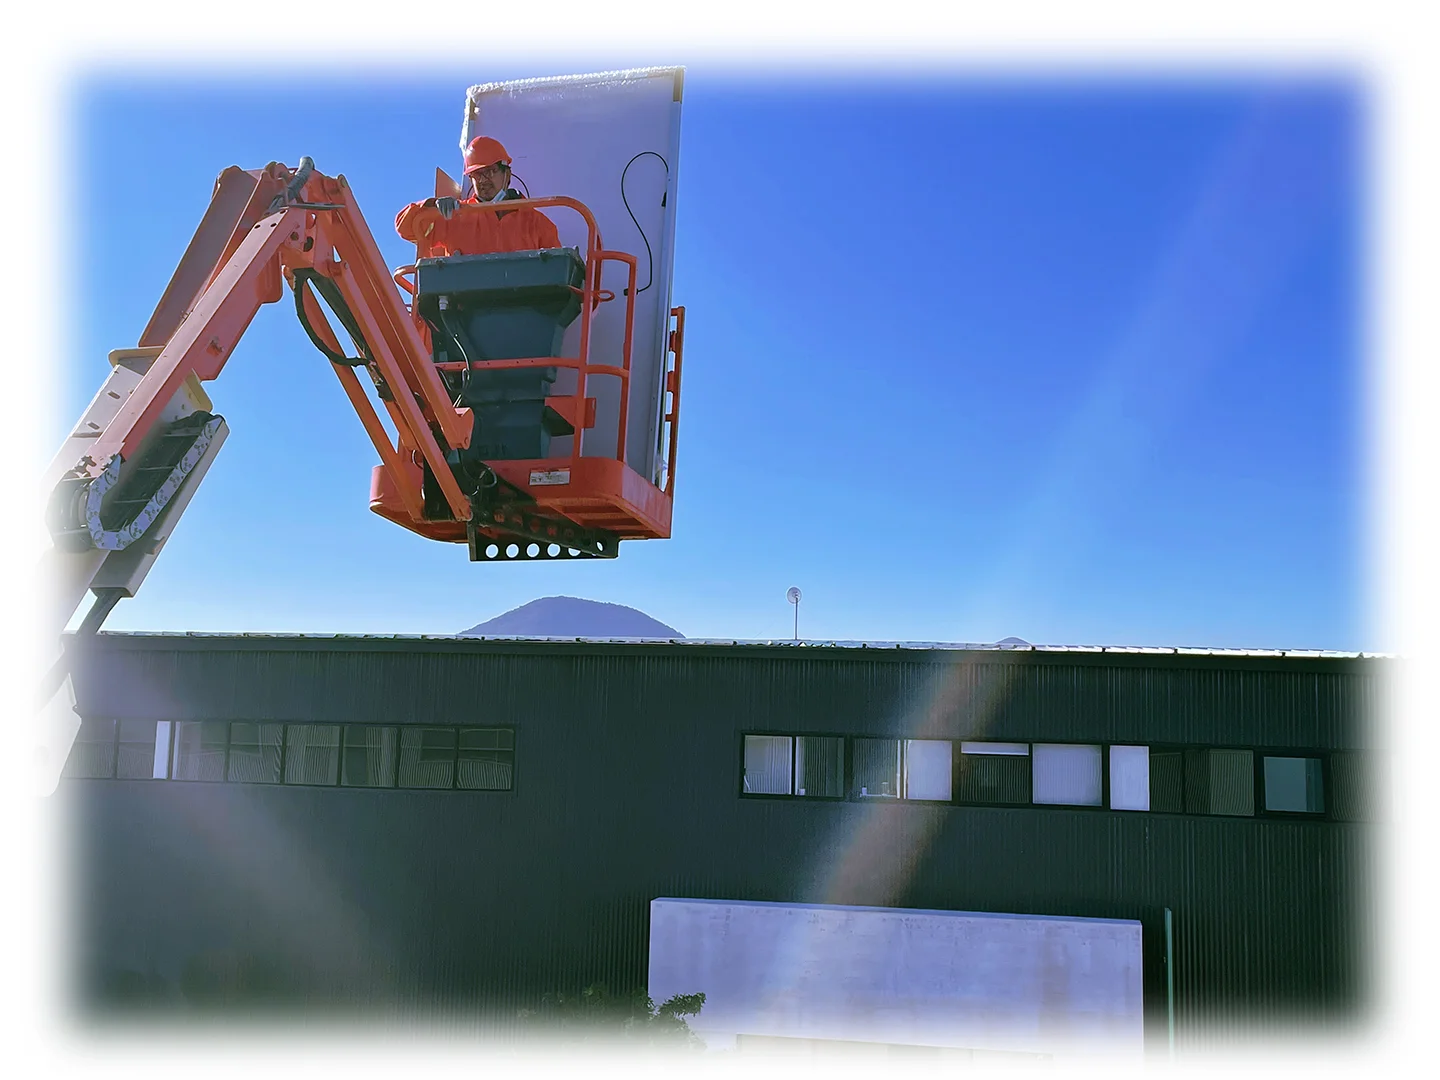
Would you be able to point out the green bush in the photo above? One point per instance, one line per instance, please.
(597, 1013)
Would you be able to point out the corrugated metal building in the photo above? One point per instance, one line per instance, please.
(458, 825)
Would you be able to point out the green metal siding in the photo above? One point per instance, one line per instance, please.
(626, 788)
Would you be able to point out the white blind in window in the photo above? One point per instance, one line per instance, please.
(927, 769)
(1129, 778)
(768, 766)
(1066, 775)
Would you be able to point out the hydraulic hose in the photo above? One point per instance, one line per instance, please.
(297, 182)
(330, 293)
(294, 187)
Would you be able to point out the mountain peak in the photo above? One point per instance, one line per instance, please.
(571, 617)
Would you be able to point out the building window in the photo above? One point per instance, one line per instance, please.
(486, 760)
(809, 766)
(1167, 782)
(312, 754)
(1349, 794)
(820, 766)
(200, 750)
(1129, 778)
(143, 750)
(92, 756)
(370, 758)
(1294, 785)
(427, 757)
(876, 769)
(1065, 775)
(769, 764)
(994, 774)
(1220, 782)
(918, 769)
(928, 770)
(255, 752)
(357, 755)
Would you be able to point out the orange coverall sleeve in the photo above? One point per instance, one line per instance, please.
(546, 235)
(410, 222)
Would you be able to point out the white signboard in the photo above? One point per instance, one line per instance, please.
(971, 980)
(581, 136)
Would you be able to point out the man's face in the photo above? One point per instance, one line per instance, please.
(490, 181)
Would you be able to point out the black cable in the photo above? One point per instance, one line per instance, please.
(330, 293)
(456, 337)
(472, 482)
(649, 255)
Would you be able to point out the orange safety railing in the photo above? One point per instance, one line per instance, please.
(591, 297)
(675, 343)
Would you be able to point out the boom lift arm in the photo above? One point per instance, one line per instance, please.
(134, 460)
(129, 468)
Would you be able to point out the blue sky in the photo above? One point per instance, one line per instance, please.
(1076, 362)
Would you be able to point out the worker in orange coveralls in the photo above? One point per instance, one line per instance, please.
(434, 226)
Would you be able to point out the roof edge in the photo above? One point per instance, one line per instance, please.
(773, 643)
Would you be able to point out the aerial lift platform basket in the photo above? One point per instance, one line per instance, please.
(580, 504)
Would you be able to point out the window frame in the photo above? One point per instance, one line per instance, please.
(1369, 763)
(1258, 756)
(1105, 770)
(958, 755)
(954, 745)
(1323, 814)
(511, 729)
(460, 729)
(285, 754)
(1168, 748)
(854, 796)
(393, 779)
(172, 738)
(400, 756)
(175, 750)
(279, 780)
(170, 728)
(1104, 803)
(1255, 756)
(740, 778)
(114, 723)
(846, 764)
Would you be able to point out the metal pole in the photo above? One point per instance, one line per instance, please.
(797, 620)
(1170, 981)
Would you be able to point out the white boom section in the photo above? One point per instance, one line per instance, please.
(68, 575)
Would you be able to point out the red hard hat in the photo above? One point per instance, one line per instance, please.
(482, 153)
